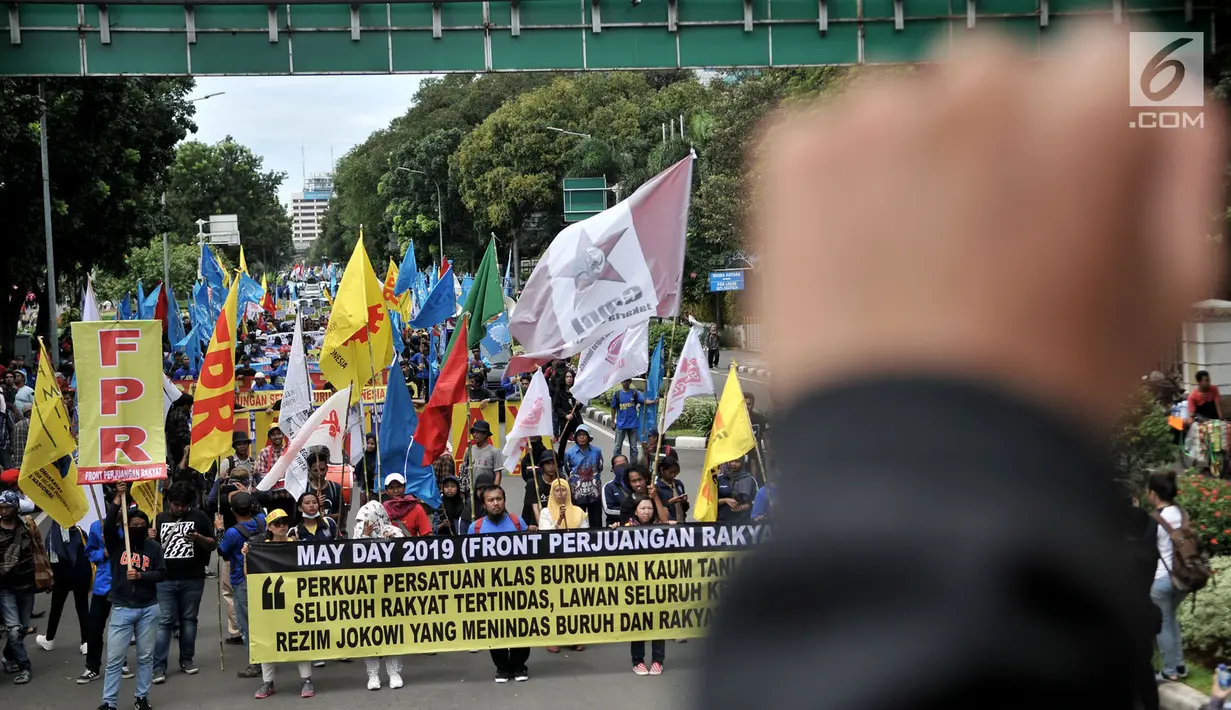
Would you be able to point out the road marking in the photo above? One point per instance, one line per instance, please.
(741, 377)
(41, 517)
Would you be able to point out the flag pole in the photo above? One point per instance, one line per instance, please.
(658, 447)
(373, 427)
(218, 577)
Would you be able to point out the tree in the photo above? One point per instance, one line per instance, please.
(228, 178)
(145, 263)
(110, 142)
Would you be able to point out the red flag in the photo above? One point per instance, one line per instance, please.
(608, 273)
(161, 308)
(433, 429)
(267, 303)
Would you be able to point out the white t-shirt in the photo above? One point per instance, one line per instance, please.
(1166, 550)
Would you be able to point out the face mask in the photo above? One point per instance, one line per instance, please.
(313, 516)
(138, 535)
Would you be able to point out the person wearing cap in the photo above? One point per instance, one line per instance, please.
(584, 463)
(404, 510)
(455, 510)
(248, 522)
(260, 383)
(19, 543)
(539, 479)
(279, 531)
(242, 444)
(271, 453)
(483, 462)
(24, 394)
(135, 574)
(8, 481)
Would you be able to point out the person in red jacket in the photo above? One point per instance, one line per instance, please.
(405, 511)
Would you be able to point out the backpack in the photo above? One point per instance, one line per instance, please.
(478, 524)
(1190, 567)
(243, 531)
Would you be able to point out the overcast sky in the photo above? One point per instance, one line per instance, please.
(278, 116)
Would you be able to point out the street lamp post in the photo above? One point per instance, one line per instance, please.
(440, 220)
(52, 318)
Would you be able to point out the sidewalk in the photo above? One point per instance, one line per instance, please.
(747, 362)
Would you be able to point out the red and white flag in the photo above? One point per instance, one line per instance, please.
(326, 428)
(533, 419)
(692, 379)
(613, 358)
(607, 273)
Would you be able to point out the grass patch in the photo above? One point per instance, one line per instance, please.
(685, 432)
(1200, 678)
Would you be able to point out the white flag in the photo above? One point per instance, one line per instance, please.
(326, 427)
(692, 378)
(358, 442)
(611, 359)
(533, 419)
(296, 405)
(89, 304)
(170, 395)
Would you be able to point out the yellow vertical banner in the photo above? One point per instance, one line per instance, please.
(145, 495)
(261, 436)
(459, 433)
(119, 383)
(48, 473)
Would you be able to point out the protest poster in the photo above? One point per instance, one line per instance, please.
(312, 601)
(119, 377)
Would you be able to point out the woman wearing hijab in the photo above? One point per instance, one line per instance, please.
(372, 521)
(560, 513)
(455, 515)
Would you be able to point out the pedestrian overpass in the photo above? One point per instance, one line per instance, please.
(242, 37)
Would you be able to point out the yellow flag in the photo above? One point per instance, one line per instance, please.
(213, 406)
(145, 495)
(243, 263)
(391, 279)
(47, 477)
(358, 343)
(226, 275)
(329, 298)
(730, 439)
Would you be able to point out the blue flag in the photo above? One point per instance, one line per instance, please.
(190, 345)
(408, 272)
(439, 305)
(433, 366)
(653, 390)
(211, 272)
(175, 323)
(139, 306)
(249, 292)
(150, 303)
(399, 452)
(395, 323)
(497, 336)
(467, 284)
(125, 308)
(201, 321)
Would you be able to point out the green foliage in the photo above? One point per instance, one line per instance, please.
(110, 142)
(1205, 623)
(698, 415)
(1143, 440)
(673, 336)
(145, 263)
(1208, 504)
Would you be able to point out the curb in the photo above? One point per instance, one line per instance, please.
(597, 416)
(754, 371)
(1178, 696)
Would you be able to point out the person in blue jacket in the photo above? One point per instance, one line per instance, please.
(584, 463)
(248, 522)
(626, 410)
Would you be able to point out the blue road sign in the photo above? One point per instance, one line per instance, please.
(726, 281)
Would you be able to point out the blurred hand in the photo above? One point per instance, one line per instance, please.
(992, 218)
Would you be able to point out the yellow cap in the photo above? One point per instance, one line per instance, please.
(275, 515)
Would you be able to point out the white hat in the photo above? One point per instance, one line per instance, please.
(260, 375)
(395, 478)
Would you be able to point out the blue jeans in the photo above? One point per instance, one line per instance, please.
(16, 606)
(126, 621)
(1168, 599)
(179, 600)
(631, 435)
(241, 613)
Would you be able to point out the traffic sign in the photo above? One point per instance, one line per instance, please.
(726, 281)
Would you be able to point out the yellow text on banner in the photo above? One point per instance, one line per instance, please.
(362, 598)
(119, 380)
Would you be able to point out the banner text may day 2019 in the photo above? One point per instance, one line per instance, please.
(363, 598)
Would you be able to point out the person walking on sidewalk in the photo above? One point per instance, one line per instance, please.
(625, 409)
(18, 546)
(184, 532)
(713, 346)
(100, 604)
(70, 567)
(135, 575)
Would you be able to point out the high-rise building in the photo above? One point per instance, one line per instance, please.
(307, 209)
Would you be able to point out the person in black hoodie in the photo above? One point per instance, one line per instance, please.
(455, 514)
(135, 574)
(73, 575)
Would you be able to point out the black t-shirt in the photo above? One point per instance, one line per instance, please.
(543, 497)
(185, 559)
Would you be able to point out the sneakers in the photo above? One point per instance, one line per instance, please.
(142, 704)
(11, 668)
(252, 671)
(502, 677)
(656, 668)
(395, 681)
(306, 690)
(318, 664)
(105, 706)
(266, 690)
(127, 673)
(21, 678)
(553, 649)
(640, 669)
(45, 643)
(1181, 670)
(235, 641)
(522, 676)
(373, 682)
(189, 668)
(160, 677)
(87, 677)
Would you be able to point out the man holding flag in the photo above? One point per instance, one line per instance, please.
(730, 438)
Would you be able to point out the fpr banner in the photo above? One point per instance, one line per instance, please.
(119, 402)
(311, 601)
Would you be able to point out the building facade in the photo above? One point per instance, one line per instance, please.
(308, 208)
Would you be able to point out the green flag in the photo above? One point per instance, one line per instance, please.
(485, 302)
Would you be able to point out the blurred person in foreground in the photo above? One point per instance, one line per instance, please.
(1047, 253)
